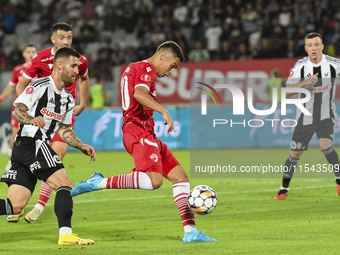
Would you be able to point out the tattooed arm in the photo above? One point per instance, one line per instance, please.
(69, 137)
(21, 115)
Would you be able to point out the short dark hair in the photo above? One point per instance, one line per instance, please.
(65, 52)
(174, 48)
(312, 35)
(29, 45)
(61, 26)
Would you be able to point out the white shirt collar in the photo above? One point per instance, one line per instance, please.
(54, 86)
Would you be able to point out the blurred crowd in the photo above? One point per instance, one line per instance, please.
(205, 29)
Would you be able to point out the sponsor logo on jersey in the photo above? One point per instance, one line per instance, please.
(148, 69)
(50, 66)
(322, 88)
(154, 157)
(29, 90)
(35, 166)
(291, 73)
(145, 77)
(154, 93)
(51, 114)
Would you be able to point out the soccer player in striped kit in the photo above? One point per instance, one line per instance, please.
(152, 157)
(29, 51)
(44, 108)
(42, 65)
(317, 73)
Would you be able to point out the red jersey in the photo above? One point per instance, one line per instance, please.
(16, 75)
(42, 66)
(138, 74)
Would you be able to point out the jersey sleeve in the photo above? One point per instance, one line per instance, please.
(294, 75)
(30, 96)
(143, 77)
(32, 67)
(338, 70)
(67, 119)
(83, 69)
(15, 78)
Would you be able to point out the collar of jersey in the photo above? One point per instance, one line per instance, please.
(318, 64)
(54, 86)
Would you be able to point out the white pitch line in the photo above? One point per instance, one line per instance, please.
(169, 196)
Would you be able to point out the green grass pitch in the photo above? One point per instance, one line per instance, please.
(247, 219)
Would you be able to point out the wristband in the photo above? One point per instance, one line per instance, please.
(1, 100)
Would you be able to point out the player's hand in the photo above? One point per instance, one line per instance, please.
(38, 121)
(168, 120)
(89, 151)
(311, 81)
(78, 109)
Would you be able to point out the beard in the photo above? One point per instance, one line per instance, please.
(66, 78)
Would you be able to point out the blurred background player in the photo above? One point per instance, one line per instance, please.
(97, 94)
(153, 159)
(276, 82)
(42, 66)
(43, 109)
(29, 51)
(318, 73)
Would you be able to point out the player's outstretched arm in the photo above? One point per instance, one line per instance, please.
(21, 115)
(142, 96)
(69, 137)
(22, 85)
(7, 91)
(84, 93)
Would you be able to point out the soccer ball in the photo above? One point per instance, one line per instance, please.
(202, 199)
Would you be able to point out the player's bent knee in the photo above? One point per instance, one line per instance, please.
(156, 180)
(17, 206)
(59, 179)
(295, 154)
(63, 183)
(157, 184)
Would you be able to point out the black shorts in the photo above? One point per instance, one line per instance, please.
(31, 160)
(303, 134)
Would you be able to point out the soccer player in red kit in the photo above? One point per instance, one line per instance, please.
(153, 159)
(29, 51)
(42, 66)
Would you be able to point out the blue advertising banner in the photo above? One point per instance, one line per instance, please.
(102, 129)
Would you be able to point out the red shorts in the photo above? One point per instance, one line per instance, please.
(56, 137)
(147, 150)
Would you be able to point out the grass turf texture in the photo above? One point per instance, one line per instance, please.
(247, 219)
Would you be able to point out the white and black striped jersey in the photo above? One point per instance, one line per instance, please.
(322, 102)
(43, 99)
